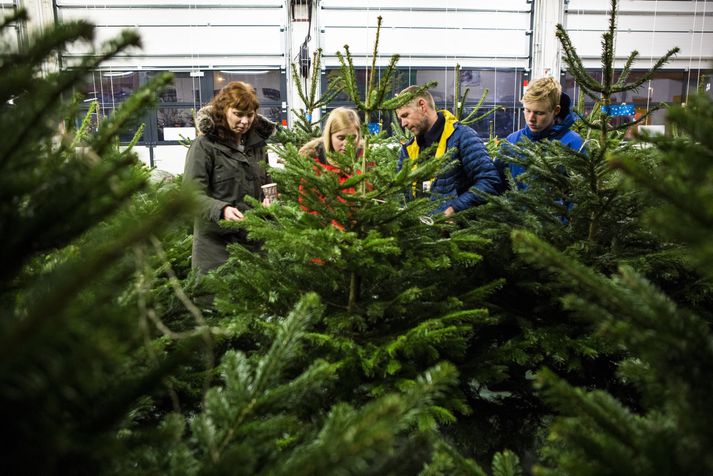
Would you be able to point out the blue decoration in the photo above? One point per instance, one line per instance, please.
(308, 117)
(374, 127)
(616, 110)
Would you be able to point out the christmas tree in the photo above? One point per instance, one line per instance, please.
(668, 344)
(576, 202)
(69, 213)
(394, 277)
(107, 366)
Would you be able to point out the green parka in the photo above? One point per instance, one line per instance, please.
(224, 174)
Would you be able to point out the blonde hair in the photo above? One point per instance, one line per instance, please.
(427, 96)
(547, 90)
(340, 119)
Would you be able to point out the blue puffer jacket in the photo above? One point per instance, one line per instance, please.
(560, 131)
(475, 170)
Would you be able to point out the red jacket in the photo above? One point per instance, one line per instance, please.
(320, 168)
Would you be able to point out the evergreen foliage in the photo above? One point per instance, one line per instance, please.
(668, 343)
(578, 203)
(459, 108)
(327, 351)
(67, 217)
(394, 277)
(106, 364)
(305, 129)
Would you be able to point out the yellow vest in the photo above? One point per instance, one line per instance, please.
(414, 150)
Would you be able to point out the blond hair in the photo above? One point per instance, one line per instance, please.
(547, 90)
(340, 119)
(422, 95)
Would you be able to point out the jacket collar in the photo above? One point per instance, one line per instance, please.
(258, 134)
(433, 134)
(449, 126)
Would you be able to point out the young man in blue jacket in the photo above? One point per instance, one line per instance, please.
(547, 116)
(474, 169)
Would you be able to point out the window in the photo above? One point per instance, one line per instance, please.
(112, 88)
(667, 86)
(267, 84)
(184, 89)
(503, 89)
(109, 89)
(177, 105)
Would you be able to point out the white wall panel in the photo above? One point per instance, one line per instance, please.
(588, 43)
(187, 34)
(421, 42)
(668, 22)
(214, 40)
(415, 5)
(150, 3)
(473, 33)
(437, 20)
(640, 6)
(182, 16)
(649, 27)
(9, 35)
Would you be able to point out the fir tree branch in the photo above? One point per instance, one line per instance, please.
(650, 73)
(83, 130)
(270, 367)
(300, 89)
(587, 83)
(371, 105)
(316, 70)
(626, 70)
(639, 120)
(385, 82)
(607, 60)
(18, 15)
(53, 91)
(75, 277)
(348, 74)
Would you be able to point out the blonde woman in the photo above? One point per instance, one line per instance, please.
(342, 126)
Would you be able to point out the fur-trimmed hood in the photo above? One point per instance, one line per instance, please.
(260, 131)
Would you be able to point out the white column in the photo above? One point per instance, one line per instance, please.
(41, 13)
(297, 32)
(41, 16)
(546, 47)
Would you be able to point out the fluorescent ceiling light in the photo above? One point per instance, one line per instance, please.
(244, 72)
(114, 75)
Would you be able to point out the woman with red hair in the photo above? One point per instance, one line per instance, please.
(227, 162)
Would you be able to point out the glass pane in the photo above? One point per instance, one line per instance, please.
(502, 85)
(272, 113)
(399, 80)
(102, 114)
(112, 88)
(172, 123)
(267, 83)
(699, 81)
(184, 89)
(666, 86)
(501, 122)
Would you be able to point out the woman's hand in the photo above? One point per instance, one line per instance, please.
(232, 214)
